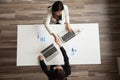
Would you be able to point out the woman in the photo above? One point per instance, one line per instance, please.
(57, 72)
(58, 14)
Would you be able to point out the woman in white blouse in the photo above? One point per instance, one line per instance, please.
(57, 14)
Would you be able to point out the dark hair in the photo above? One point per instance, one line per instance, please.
(57, 6)
(58, 74)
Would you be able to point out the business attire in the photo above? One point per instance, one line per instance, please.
(66, 66)
(64, 18)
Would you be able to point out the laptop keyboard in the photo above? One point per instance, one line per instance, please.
(68, 36)
(49, 51)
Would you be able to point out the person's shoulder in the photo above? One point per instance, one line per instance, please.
(65, 7)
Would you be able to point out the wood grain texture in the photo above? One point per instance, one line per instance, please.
(104, 12)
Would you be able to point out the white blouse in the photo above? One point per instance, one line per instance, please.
(50, 20)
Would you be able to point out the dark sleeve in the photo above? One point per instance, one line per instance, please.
(66, 66)
(44, 68)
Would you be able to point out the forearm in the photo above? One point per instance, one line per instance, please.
(47, 26)
(66, 59)
(67, 25)
(43, 66)
(47, 21)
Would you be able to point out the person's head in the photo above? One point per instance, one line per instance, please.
(59, 73)
(57, 8)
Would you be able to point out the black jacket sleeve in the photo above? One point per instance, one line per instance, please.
(44, 68)
(66, 66)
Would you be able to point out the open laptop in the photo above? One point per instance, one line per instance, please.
(50, 52)
(66, 36)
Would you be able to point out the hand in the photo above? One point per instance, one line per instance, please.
(57, 40)
(41, 57)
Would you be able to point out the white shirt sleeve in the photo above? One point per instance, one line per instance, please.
(67, 19)
(47, 21)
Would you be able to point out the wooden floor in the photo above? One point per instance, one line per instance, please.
(104, 12)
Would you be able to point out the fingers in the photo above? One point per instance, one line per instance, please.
(41, 57)
(57, 40)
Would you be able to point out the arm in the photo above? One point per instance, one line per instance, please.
(43, 65)
(67, 19)
(66, 59)
(67, 67)
(47, 21)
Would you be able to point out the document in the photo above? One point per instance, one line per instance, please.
(42, 34)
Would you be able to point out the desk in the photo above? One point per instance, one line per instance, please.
(84, 48)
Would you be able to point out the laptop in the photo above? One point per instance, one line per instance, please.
(66, 36)
(50, 52)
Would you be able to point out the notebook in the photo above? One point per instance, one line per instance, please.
(50, 52)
